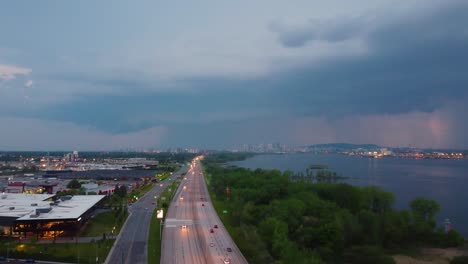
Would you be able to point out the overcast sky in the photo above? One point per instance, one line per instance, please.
(95, 75)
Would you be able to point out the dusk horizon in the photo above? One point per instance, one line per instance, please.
(90, 75)
(234, 132)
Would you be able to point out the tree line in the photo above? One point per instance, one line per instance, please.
(276, 220)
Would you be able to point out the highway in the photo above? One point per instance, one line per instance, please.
(187, 236)
(131, 246)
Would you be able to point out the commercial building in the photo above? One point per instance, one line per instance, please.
(26, 184)
(43, 216)
(95, 188)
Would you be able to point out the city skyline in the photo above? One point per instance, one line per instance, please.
(107, 76)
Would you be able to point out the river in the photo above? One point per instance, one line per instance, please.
(445, 181)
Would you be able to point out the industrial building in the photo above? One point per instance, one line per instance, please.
(43, 215)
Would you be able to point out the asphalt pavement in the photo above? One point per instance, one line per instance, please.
(131, 246)
(193, 232)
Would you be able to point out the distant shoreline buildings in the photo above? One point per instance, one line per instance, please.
(362, 150)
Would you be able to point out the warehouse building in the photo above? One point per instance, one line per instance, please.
(43, 215)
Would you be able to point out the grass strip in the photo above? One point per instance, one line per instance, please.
(91, 253)
(154, 239)
(106, 222)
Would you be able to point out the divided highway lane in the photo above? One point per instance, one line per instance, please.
(131, 246)
(187, 235)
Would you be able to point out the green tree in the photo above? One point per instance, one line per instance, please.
(351, 227)
(284, 218)
(424, 209)
(396, 227)
(121, 191)
(74, 184)
(377, 200)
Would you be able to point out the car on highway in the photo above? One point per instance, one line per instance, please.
(227, 261)
(181, 198)
(215, 226)
(202, 204)
(211, 230)
(229, 249)
(184, 227)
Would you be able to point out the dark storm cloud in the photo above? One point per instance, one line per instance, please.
(145, 109)
(415, 63)
(415, 68)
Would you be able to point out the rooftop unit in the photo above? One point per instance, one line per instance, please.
(43, 210)
(66, 197)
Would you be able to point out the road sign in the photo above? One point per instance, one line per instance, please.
(159, 213)
(225, 211)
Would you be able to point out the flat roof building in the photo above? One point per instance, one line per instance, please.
(41, 215)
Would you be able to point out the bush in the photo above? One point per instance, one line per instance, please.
(459, 260)
(367, 255)
(450, 239)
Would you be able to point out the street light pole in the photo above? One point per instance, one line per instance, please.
(160, 228)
